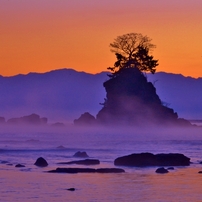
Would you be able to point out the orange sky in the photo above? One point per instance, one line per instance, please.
(39, 36)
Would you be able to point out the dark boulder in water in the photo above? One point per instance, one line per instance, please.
(19, 166)
(81, 154)
(41, 162)
(149, 159)
(71, 189)
(87, 170)
(83, 162)
(162, 170)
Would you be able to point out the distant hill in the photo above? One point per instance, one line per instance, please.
(59, 95)
(63, 95)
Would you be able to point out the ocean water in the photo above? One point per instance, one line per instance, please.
(32, 183)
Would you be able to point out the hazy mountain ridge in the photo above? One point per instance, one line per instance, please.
(60, 94)
(65, 94)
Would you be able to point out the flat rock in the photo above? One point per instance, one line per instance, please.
(149, 159)
(73, 170)
(110, 170)
(19, 166)
(83, 162)
(87, 170)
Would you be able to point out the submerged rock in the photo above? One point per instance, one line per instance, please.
(110, 170)
(41, 162)
(4, 162)
(149, 159)
(87, 170)
(83, 162)
(81, 154)
(162, 170)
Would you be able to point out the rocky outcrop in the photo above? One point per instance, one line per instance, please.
(85, 119)
(80, 154)
(33, 119)
(87, 170)
(83, 162)
(41, 162)
(132, 100)
(149, 159)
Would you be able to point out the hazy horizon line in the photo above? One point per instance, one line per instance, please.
(83, 71)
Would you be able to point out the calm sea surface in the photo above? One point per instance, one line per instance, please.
(31, 183)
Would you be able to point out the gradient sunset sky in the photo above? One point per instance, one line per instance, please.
(42, 35)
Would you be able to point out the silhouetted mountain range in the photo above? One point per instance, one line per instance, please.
(63, 95)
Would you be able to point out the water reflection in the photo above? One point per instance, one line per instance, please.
(182, 184)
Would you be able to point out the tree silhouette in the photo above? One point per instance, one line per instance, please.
(132, 50)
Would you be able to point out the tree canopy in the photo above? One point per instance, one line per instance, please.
(133, 50)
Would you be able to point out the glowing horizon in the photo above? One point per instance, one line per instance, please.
(48, 35)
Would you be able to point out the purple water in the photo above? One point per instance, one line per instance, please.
(31, 183)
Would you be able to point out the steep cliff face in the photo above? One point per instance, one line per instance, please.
(132, 100)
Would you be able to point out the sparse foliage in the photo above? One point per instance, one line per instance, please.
(132, 50)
